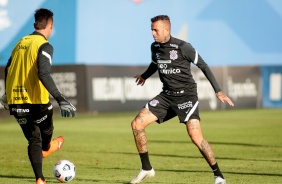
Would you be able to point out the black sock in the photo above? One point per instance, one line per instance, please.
(145, 161)
(35, 157)
(37, 168)
(216, 170)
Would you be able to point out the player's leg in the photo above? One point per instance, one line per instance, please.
(33, 136)
(138, 125)
(187, 110)
(195, 133)
(46, 127)
(155, 110)
(45, 123)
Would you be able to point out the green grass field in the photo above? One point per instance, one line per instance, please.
(247, 145)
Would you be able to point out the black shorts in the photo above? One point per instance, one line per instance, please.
(36, 127)
(166, 107)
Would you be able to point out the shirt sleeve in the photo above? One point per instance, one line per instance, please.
(194, 57)
(150, 71)
(45, 55)
(152, 67)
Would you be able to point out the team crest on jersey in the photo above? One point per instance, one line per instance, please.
(154, 102)
(173, 55)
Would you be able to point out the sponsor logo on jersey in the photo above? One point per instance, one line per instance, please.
(169, 71)
(22, 121)
(185, 105)
(19, 90)
(21, 98)
(163, 67)
(154, 102)
(174, 45)
(24, 47)
(173, 54)
(157, 45)
(41, 119)
(164, 61)
(20, 110)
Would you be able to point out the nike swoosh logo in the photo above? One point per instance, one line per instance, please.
(187, 111)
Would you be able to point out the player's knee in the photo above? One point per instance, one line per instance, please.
(35, 141)
(197, 139)
(133, 123)
(194, 131)
(137, 124)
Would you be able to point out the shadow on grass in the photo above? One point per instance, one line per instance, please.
(197, 157)
(219, 143)
(51, 180)
(226, 172)
(195, 171)
(31, 179)
(17, 177)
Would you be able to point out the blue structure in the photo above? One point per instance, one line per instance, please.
(117, 32)
(272, 86)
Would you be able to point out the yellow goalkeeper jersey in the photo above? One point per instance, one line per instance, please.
(22, 83)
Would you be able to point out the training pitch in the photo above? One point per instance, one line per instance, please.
(246, 143)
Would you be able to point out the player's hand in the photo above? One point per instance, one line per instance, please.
(223, 98)
(139, 80)
(67, 109)
(4, 102)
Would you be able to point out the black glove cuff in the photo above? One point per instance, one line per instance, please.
(60, 98)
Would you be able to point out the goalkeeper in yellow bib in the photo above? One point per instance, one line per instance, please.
(27, 86)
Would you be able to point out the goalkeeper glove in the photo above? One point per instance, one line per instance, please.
(3, 101)
(66, 107)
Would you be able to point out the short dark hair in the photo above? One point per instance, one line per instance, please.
(160, 17)
(42, 16)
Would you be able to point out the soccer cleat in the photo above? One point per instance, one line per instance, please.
(56, 144)
(219, 180)
(143, 174)
(40, 181)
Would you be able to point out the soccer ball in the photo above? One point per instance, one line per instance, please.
(64, 171)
